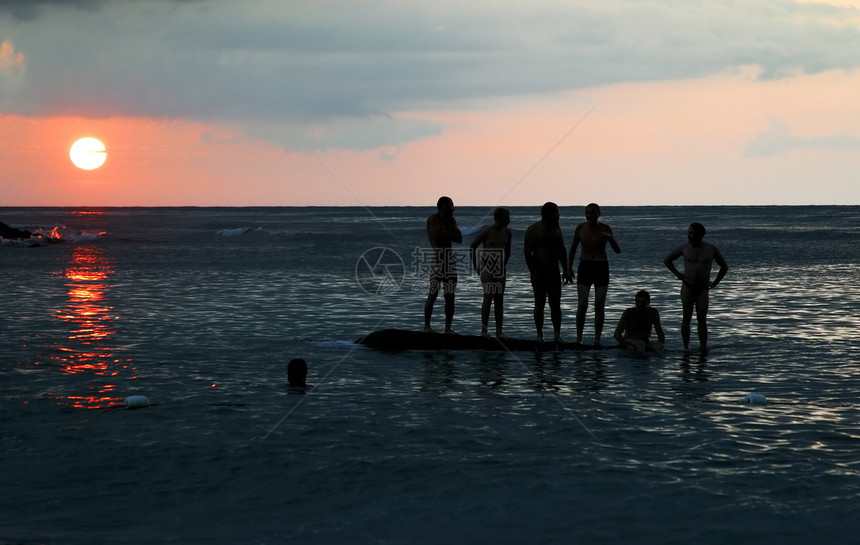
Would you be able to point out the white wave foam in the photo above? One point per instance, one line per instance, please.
(335, 344)
(237, 232)
(82, 237)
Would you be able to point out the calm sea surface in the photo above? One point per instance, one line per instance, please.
(199, 309)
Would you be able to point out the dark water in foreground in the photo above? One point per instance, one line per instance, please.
(200, 309)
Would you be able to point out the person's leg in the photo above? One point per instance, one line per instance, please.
(554, 298)
(686, 315)
(485, 309)
(450, 289)
(656, 346)
(636, 344)
(702, 301)
(581, 308)
(428, 304)
(499, 307)
(540, 304)
(599, 312)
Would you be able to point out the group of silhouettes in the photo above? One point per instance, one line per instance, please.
(550, 266)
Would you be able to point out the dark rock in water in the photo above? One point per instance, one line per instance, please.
(401, 339)
(12, 233)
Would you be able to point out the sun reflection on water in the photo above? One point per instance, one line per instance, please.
(87, 347)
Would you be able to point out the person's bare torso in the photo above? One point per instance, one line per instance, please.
(698, 259)
(592, 239)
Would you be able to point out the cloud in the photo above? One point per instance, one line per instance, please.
(778, 139)
(352, 133)
(29, 10)
(331, 64)
(9, 58)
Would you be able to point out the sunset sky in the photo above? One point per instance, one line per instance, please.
(392, 102)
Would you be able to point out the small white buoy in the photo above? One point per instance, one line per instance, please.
(753, 399)
(136, 402)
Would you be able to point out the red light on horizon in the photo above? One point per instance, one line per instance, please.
(87, 212)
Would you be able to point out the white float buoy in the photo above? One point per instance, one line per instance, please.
(136, 402)
(753, 399)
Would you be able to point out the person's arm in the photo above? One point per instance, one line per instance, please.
(670, 259)
(433, 230)
(528, 250)
(510, 235)
(566, 275)
(619, 330)
(610, 238)
(482, 236)
(724, 267)
(453, 232)
(658, 328)
(572, 254)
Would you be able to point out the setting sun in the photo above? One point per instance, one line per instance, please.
(88, 153)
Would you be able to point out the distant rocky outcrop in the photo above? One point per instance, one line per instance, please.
(12, 233)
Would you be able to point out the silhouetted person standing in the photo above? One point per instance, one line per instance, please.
(495, 242)
(442, 231)
(544, 252)
(698, 256)
(593, 268)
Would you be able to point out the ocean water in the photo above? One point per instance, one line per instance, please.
(199, 310)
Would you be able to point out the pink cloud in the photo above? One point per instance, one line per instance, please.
(9, 58)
